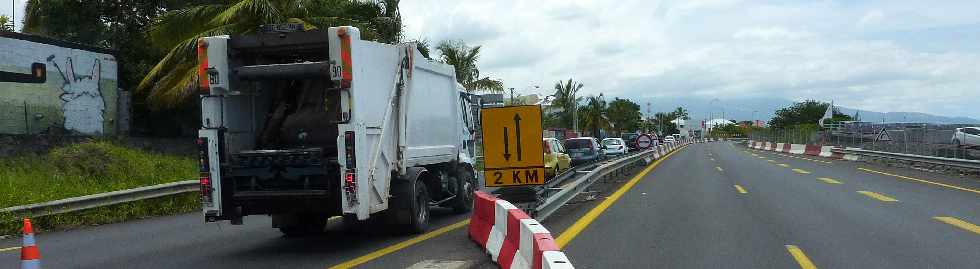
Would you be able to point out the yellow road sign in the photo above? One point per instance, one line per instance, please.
(512, 146)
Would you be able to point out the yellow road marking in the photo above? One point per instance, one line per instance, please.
(783, 165)
(9, 249)
(740, 189)
(878, 196)
(920, 180)
(800, 257)
(594, 213)
(959, 223)
(401, 245)
(829, 180)
(719, 169)
(801, 171)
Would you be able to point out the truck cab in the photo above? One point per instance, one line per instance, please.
(305, 124)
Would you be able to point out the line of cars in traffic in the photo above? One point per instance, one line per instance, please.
(562, 155)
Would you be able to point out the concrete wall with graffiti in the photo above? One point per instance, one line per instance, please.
(78, 94)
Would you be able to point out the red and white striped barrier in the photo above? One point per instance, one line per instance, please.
(802, 149)
(512, 238)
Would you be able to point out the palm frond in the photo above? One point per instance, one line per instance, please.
(175, 26)
(485, 84)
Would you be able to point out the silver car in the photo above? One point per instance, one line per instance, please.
(967, 137)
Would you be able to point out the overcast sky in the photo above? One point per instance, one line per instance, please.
(888, 56)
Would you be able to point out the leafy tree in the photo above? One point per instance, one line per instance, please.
(592, 116)
(176, 32)
(6, 24)
(624, 115)
(566, 99)
(806, 112)
(463, 58)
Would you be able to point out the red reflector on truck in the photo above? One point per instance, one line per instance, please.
(345, 58)
(202, 68)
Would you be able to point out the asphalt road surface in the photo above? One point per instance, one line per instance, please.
(718, 205)
(711, 205)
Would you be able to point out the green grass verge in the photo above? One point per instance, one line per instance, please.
(90, 167)
(162, 206)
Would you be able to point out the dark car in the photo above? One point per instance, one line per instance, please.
(630, 139)
(583, 150)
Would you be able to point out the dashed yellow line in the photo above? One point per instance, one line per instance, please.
(9, 249)
(740, 189)
(878, 196)
(770, 160)
(800, 171)
(783, 164)
(800, 257)
(960, 224)
(920, 180)
(829, 180)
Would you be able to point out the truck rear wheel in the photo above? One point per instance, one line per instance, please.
(466, 185)
(412, 211)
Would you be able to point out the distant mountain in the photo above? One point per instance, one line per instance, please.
(917, 117)
(741, 109)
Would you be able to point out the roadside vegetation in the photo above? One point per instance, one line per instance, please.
(90, 167)
(94, 166)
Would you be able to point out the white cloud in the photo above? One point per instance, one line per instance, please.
(871, 18)
(637, 48)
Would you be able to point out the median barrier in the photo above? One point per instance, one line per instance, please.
(512, 238)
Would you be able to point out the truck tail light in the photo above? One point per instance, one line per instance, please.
(205, 171)
(350, 185)
(202, 69)
(349, 149)
(350, 175)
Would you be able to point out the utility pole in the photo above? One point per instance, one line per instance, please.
(511, 96)
(574, 111)
(13, 15)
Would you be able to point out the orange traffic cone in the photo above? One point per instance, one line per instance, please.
(30, 257)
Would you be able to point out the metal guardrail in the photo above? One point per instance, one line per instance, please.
(552, 197)
(102, 199)
(961, 163)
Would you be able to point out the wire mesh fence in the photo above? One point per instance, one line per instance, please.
(909, 138)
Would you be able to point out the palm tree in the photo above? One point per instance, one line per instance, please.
(6, 24)
(566, 99)
(593, 115)
(463, 59)
(681, 113)
(171, 80)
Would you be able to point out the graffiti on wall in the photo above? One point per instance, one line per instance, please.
(83, 105)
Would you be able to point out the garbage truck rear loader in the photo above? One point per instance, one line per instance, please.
(306, 125)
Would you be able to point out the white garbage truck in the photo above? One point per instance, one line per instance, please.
(304, 125)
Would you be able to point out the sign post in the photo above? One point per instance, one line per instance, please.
(643, 141)
(512, 146)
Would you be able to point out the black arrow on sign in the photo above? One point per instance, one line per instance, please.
(517, 124)
(506, 145)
